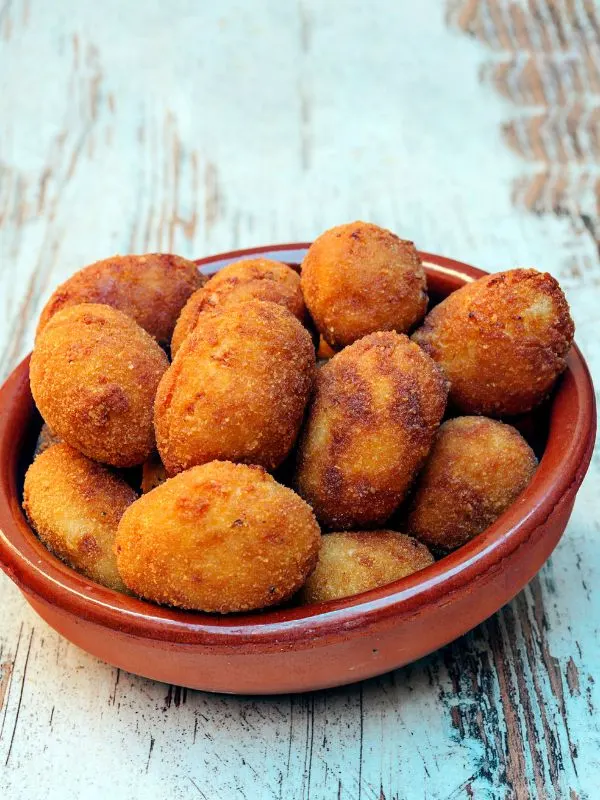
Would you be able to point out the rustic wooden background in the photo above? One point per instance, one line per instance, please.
(471, 126)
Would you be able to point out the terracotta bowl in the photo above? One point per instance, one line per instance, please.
(297, 649)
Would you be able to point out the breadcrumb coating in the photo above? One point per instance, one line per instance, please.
(94, 374)
(75, 505)
(219, 537)
(477, 468)
(151, 288)
(350, 563)
(359, 278)
(376, 408)
(237, 388)
(250, 279)
(502, 341)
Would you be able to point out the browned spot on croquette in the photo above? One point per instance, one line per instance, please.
(89, 545)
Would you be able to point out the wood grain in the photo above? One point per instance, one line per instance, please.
(199, 127)
(545, 60)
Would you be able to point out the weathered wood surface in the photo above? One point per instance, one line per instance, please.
(198, 127)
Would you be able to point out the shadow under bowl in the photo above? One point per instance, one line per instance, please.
(319, 646)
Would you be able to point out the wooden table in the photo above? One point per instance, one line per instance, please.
(195, 127)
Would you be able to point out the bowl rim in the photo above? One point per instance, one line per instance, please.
(562, 468)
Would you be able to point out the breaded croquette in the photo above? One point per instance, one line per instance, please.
(75, 505)
(476, 469)
(219, 537)
(94, 374)
(236, 389)
(360, 278)
(151, 288)
(376, 408)
(350, 563)
(251, 279)
(502, 341)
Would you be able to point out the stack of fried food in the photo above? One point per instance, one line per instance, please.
(245, 407)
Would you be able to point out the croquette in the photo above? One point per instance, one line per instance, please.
(75, 506)
(376, 408)
(237, 388)
(359, 278)
(477, 468)
(94, 374)
(350, 563)
(45, 440)
(502, 341)
(251, 279)
(219, 537)
(152, 289)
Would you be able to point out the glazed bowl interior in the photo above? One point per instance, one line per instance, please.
(562, 433)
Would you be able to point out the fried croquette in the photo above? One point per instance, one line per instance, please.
(94, 374)
(377, 406)
(152, 289)
(251, 279)
(219, 537)
(237, 388)
(360, 278)
(75, 505)
(45, 440)
(153, 473)
(350, 563)
(476, 470)
(502, 341)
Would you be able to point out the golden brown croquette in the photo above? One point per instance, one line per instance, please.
(359, 278)
(236, 389)
(151, 288)
(251, 279)
(376, 408)
(75, 506)
(350, 563)
(476, 469)
(219, 537)
(502, 341)
(94, 374)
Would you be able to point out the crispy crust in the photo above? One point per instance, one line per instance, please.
(151, 288)
(359, 278)
(477, 468)
(350, 563)
(502, 341)
(237, 388)
(250, 279)
(219, 537)
(376, 408)
(94, 373)
(75, 506)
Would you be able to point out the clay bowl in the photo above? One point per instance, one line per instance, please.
(297, 649)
